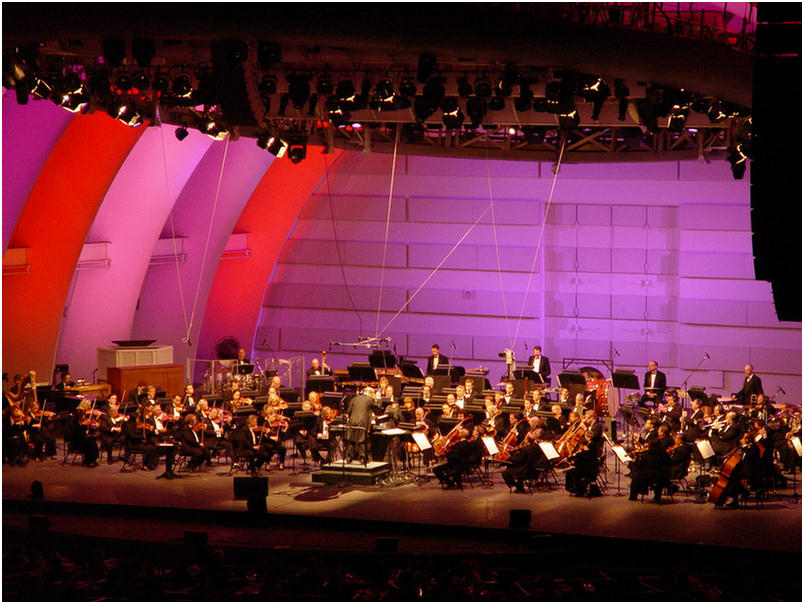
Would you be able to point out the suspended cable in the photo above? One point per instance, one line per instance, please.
(497, 252)
(387, 226)
(338, 244)
(173, 230)
(556, 170)
(435, 270)
(206, 243)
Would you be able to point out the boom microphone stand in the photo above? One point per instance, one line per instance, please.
(705, 357)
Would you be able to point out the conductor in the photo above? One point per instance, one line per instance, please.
(360, 411)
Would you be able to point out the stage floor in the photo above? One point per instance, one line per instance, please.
(776, 526)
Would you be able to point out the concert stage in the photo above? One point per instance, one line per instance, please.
(410, 512)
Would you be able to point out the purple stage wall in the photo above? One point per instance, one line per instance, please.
(651, 259)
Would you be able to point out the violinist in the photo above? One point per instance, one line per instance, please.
(651, 468)
(111, 427)
(466, 453)
(525, 462)
(238, 400)
(139, 436)
(83, 436)
(150, 396)
(40, 432)
(191, 443)
(247, 443)
(321, 438)
(174, 410)
(275, 428)
(680, 455)
(215, 432)
(15, 435)
(494, 421)
(314, 399)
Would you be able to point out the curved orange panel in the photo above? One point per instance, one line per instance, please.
(235, 299)
(53, 225)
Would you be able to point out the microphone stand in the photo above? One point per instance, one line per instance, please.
(686, 379)
(449, 365)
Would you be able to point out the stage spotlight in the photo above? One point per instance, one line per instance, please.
(182, 87)
(384, 94)
(123, 81)
(181, 133)
(323, 85)
(268, 54)
(74, 99)
(161, 83)
(716, 113)
(212, 129)
(276, 146)
(114, 51)
(464, 87)
(505, 84)
(738, 160)
(426, 67)
(525, 98)
(139, 80)
(596, 93)
(408, 87)
(129, 115)
(12, 70)
(41, 89)
(422, 109)
(483, 87)
(296, 153)
(339, 116)
(434, 91)
(496, 103)
(452, 116)
(345, 94)
(476, 110)
(676, 119)
(267, 86)
(511, 130)
(143, 51)
(569, 119)
(298, 90)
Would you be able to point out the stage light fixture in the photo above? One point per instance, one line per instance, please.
(12, 70)
(212, 129)
(161, 83)
(182, 86)
(298, 90)
(716, 113)
(422, 109)
(506, 81)
(464, 87)
(483, 87)
(434, 91)
(426, 67)
(525, 98)
(384, 91)
(738, 158)
(181, 133)
(476, 110)
(75, 101)
(129, 115)
(276, 146)
(323, 85)
(339, 116)
(313, 105)
(268, 54)
(569, 119)
(452, 116)
(596, 92)
(267, 86)
(139, 80)
(297, 152)
(41, 88)
(496, 103)
(511, 130)
(123, 81)
(345, 93)
(676, 119)
(407, 87)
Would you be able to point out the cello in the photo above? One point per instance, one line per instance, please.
(720, 491)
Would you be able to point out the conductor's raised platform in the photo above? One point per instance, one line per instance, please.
(352, 472)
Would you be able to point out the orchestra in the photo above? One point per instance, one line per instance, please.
(754, 441)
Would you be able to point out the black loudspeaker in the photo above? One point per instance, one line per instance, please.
(250, 486)
(519, 519)
(610, 426)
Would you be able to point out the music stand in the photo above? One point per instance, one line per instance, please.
(319, 383)
(524, 373)
(627, 380)
(244, 369)
(574, 382)
(362, 372)
(384, 359)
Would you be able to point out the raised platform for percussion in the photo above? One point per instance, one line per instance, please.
(352, 473)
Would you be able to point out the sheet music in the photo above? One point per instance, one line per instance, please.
(622, 455)
(491, 446)
(393, 431)
(421, 440)
(705, 447)
(549, 451)
(796, 442)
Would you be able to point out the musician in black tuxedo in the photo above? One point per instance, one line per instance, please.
(525, 463)
(66, 383)
(655, 384)
(317, 368)
(360, 410)
(752, 385)
(539, 364)
(190, 438)
(436, 360)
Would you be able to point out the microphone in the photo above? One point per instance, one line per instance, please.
(706, 356)
(781, 389)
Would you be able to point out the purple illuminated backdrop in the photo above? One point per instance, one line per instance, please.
(651, 259)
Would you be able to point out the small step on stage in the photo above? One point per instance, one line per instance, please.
(352, 473)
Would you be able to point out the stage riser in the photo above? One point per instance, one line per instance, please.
(353, 474)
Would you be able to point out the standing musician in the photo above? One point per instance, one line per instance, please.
(360, 411)
(752, 385)
(247, 443)
(111, 428)
(436, 360)
(188, 401)
(319, 369)
(463, 455)
(540, 365)
(190, 439)
(655, 384)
